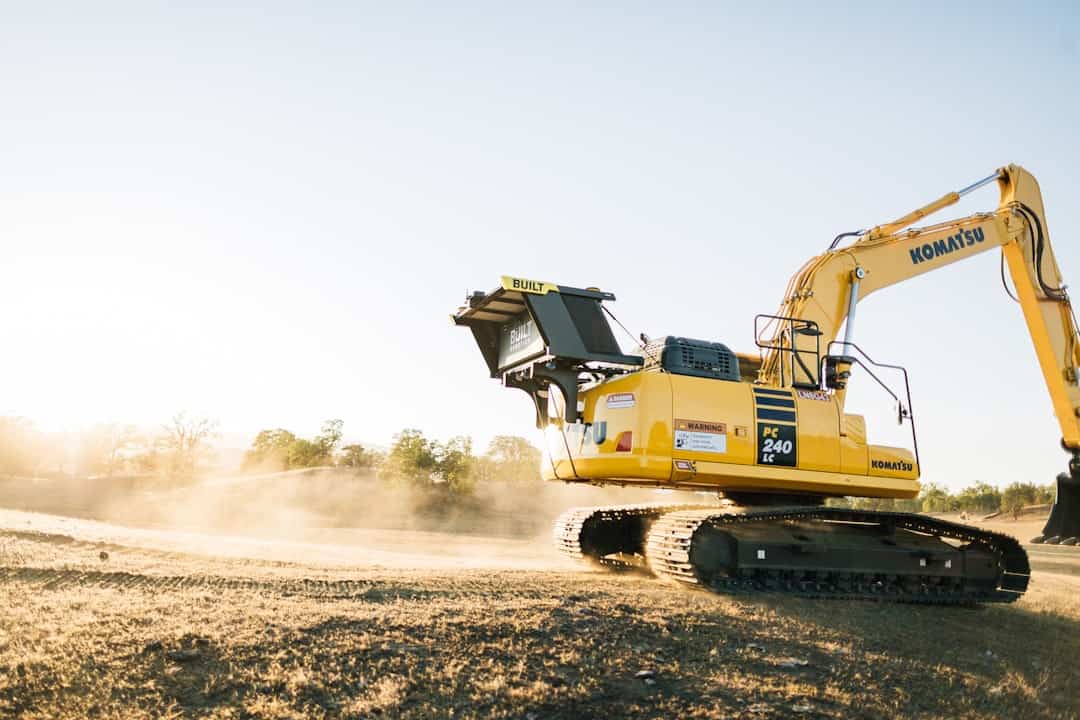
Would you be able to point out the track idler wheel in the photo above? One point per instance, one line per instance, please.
(613, 537)
(1063, 525)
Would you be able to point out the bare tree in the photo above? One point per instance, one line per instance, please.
(104, 448)
(122, 439)
(184, 441)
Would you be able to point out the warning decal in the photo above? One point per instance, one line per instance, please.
(700, 436)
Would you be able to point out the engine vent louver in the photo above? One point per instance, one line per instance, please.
(685, 356)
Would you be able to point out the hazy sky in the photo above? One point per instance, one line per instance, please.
(266, 212)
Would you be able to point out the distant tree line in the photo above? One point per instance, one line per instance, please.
(183, 448)
(980, 498)
(280, 449)
(452, 467)
(179, 449)
(413, 460)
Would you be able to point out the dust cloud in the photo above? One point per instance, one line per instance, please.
(315, 516)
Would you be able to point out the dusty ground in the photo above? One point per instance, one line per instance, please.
(1024, 527)
(353, 624)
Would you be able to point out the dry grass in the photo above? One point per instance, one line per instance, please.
(148, 634)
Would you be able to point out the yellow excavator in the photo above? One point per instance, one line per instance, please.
(768, 432)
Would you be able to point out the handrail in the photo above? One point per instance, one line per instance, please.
(905, 413)
(793, 327)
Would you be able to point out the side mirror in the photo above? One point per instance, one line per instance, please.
(837, 371)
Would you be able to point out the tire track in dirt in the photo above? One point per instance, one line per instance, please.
(328, 548)
(316, 588)
(68, 541)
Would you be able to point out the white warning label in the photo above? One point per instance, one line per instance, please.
(699, 436)
(620, 400)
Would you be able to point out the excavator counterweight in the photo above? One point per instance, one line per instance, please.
(768, 433)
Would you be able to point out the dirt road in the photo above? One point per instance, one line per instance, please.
(329, 547)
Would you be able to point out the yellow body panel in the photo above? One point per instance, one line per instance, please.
(854, 452)
(701, 433)
(703, 400)
(819, 431)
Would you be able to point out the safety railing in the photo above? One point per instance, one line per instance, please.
(860, 358)
(799, 366)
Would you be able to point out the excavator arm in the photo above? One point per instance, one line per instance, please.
(823, 296)
(826, 290)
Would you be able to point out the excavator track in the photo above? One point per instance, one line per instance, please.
(611, 536)
(723, 552)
